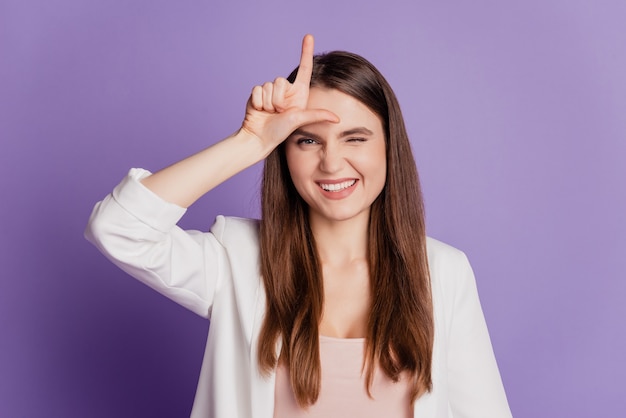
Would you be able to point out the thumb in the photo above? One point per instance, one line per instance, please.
(308, 116)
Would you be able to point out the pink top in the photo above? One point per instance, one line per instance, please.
(343, 390)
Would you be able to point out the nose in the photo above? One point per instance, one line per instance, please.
(331, 159)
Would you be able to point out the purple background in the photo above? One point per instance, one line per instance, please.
(517, 113)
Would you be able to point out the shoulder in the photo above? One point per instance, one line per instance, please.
(441, 254)
(449, 267)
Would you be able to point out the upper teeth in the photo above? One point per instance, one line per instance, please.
(337, 186)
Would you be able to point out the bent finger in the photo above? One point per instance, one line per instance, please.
(268, 92)
(256, 98)
(278, 96)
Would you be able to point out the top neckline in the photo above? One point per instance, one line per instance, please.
(326, 338)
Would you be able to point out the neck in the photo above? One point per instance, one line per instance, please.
(340, 242)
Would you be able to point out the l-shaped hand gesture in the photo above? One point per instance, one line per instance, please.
(276, 109)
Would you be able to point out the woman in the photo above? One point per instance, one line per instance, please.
(335, 302)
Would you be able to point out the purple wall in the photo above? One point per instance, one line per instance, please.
(517, 114)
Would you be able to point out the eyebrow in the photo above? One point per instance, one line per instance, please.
(361, 130)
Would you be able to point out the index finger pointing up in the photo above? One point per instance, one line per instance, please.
(306, 62)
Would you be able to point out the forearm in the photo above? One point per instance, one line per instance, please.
(273, 112)
(186, 181)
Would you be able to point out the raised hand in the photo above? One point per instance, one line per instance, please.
(276, 109)
(273, 112)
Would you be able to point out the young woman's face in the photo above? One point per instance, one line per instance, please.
(339, 169)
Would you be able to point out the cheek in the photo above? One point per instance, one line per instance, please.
(290, 157)
(298, 170)
(374, 164)
(380, 161)
(300, 163)
(381, 176)
(293, 164)
(378, 177)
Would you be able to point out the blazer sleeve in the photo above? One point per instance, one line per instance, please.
(137, 231)
(475, 386)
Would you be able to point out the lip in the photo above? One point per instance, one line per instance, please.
(337, 194)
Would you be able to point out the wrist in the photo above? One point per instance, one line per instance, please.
(251, 145)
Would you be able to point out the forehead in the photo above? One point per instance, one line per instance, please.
(350, 111)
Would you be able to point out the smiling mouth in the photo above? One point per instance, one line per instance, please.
(338, 186)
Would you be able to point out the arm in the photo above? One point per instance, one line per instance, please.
(136, 230)
(476, 389)
(135, 226)
(273, 112)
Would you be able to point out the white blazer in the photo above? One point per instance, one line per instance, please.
(216, 275)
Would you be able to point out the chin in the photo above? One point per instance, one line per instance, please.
(339, 216)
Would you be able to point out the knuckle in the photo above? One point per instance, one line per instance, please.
(255, 96)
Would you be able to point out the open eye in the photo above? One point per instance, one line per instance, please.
(306, 141)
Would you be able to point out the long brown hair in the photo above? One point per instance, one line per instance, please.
(400, 328)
